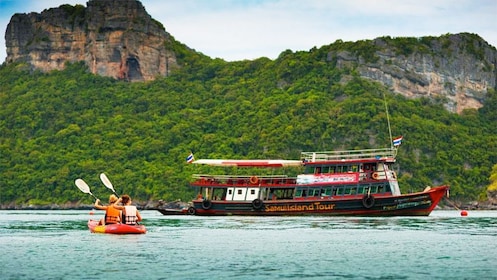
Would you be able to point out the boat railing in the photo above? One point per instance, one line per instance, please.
(203, 179)
(348, 155)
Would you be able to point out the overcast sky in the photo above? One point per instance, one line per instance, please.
(249, 29)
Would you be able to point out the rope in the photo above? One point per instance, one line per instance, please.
(452, 203)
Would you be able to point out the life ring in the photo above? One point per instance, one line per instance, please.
(191, 210)
(257, 204)
(206, 204)
(376, 175)
(254, 180)
(368, 201)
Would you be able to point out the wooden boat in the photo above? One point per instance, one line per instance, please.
(336, 183)
(173, 211)
(115, 228)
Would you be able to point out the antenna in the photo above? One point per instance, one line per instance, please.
(388, 120)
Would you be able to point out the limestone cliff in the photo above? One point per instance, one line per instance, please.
(118, 38)
(457, 69)
(115, 38)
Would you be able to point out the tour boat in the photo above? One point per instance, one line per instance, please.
(335, 183)
(115, 228)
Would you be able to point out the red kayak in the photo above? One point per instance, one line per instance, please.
(116, 228)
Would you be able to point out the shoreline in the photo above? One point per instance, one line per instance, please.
(156, 205)
(151, 205)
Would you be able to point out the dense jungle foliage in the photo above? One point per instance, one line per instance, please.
(59, 126)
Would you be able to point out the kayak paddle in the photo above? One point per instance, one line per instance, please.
(107, 183)
(83, 186)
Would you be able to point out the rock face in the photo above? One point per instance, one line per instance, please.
(457, 69)
(115, 38)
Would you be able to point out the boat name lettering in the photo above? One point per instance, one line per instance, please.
(411, 199)
(407, 205)
(316, 206)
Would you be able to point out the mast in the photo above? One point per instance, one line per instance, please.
(388, 121)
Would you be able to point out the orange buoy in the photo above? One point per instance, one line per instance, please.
(91, 212)
(464, 213)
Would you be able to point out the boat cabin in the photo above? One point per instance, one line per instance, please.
(325, 175)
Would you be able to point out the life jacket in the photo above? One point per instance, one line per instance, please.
(112, 215)
(129, 215)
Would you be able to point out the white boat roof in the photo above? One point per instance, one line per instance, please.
(249, 162)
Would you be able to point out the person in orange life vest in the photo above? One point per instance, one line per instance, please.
(130, 215)
(112, 214)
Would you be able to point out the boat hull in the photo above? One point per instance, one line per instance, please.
(173, 212)
(415, 204)
(116, 228)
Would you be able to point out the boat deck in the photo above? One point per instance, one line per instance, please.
(387, 154)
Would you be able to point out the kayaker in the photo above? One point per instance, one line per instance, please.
(112, 214)
(130, 215)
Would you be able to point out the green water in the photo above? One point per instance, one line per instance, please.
(58, 245)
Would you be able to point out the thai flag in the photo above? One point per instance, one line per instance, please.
(190, 158)
(397, 141)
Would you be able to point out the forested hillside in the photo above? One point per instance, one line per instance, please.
(59, 126)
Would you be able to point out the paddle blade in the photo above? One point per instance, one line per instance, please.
(107, 182)
(82, 186)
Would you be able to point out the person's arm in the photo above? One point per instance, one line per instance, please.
(138, 216)
(117, 206)
(98, 206)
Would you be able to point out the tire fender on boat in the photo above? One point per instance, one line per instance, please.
(254, 180)
(206, 204)
(191, 210)
(257, 204)
(368, 201)
(376, 175)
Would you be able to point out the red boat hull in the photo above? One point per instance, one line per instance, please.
(415, 204)
(116, 228)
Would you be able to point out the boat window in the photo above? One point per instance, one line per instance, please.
(252, 191)
(363, 190)
(387, 188)
(317, 170)
(240, 191)
(349, 190)
(218, 194)
(288, 193)
(317, 192)
(325, 169)
(326, 191)
(298, 193)
(340, 191)
(314, 192)
(355, 168)
(334, 191)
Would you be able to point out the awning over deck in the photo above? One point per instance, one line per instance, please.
(249, 162)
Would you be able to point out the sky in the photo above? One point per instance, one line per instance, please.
(248, 29)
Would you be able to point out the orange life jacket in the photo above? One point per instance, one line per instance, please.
(112, 215)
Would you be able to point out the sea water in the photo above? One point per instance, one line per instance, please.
(58, 245)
